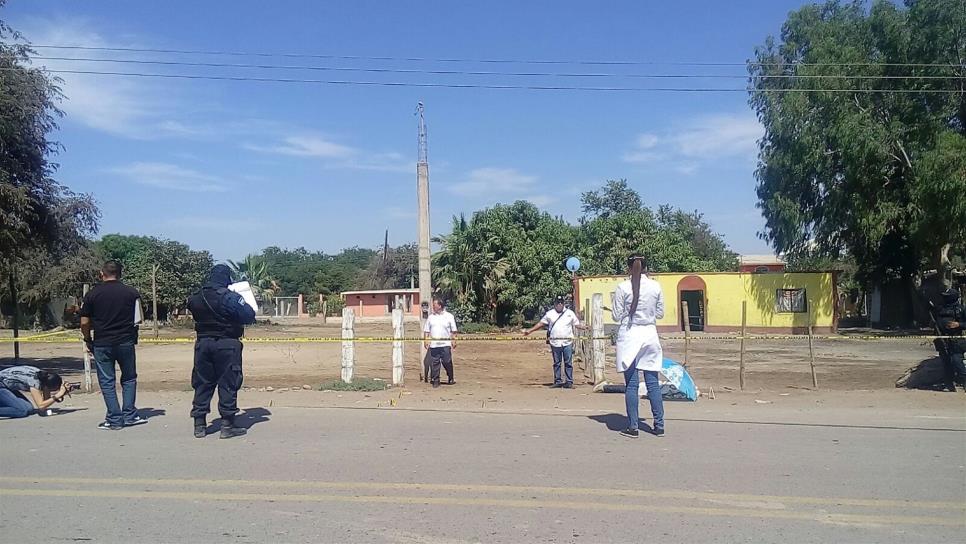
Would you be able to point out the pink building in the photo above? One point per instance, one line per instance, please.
(760, 264)
(381, 302)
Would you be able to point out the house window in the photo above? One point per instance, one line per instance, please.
(761, 270)
(791, 301)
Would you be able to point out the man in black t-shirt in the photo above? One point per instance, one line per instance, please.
(112, 311)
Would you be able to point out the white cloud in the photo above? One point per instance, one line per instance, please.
(335, 154)
(494, 182)
(686, 168)
(643, 157)
(170, 176)
(709, 137)
(647, 141)
(118, 105)
(718, 136)
(306, 146)
(540, 201)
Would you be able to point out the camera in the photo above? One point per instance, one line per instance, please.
(70, 386)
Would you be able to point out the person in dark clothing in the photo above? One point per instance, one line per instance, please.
(112, 312)
(951, 319)
(220, 316)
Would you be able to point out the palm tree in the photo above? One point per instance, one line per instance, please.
(466, 270)
(254, 270)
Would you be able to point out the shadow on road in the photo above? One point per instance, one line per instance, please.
(57, 365)
(148, 413)
(617, 422)
(253, 416)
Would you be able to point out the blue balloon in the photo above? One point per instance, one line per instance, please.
(573, 264)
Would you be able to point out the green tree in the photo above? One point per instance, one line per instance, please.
(614, 198)
(395, 269)
(847, 167)
(506, 262)
(299, 271)
(673, 240)
(43, 225)
(181, 271)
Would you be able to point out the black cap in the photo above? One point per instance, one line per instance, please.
(559, 300)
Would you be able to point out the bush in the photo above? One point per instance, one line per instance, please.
(335, 304)
(478, 328)
(464, 312)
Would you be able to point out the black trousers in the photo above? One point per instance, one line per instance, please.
(438, 357)
(218, 364)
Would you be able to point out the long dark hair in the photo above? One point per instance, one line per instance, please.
(49, 381)
(636, 264)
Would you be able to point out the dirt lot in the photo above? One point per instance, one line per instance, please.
(513, 366)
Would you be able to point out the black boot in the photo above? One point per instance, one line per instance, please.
(228, 428)
(200, 427)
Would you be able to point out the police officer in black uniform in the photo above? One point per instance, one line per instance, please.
(220, 316)
(951, 319)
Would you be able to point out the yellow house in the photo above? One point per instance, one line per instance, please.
(777, 302)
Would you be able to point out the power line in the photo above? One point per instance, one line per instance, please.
(477, 73)
(482, 61)
(480, 86)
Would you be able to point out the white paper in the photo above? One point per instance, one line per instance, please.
(138, 318)
(244, 289)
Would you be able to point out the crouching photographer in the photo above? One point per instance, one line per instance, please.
(26, 390)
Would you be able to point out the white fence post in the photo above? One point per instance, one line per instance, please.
(348, 345)
(597, 320)
(398, 346)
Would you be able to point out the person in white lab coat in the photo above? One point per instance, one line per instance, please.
(638, 304)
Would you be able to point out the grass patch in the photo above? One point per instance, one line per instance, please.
(359, 384)
(478, 328)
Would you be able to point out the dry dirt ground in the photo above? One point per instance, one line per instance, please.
(516, 366)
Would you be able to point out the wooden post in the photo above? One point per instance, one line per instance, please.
(325, 309)
(687, 330)
(597, 312)
(398, 346)
(88, 380)
(154, 297)
(360, 307)
(811, 349)
(12, 282)
(348, 346)
(741, 361)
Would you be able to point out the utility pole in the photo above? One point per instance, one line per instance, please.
(422, 190)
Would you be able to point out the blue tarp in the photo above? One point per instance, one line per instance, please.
(679, 385)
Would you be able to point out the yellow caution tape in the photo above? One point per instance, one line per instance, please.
(53, 339)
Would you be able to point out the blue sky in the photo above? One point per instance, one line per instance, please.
(233, 167)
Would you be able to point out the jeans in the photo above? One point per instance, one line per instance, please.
(565, 355)
(632, 397)
(13, 405)
(105, 358)
(218, 364)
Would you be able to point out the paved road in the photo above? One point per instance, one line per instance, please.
(396, 476)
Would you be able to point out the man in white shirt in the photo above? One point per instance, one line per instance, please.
(439, 337)
(560, 322)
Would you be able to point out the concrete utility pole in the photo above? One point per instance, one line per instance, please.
(422, 190)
